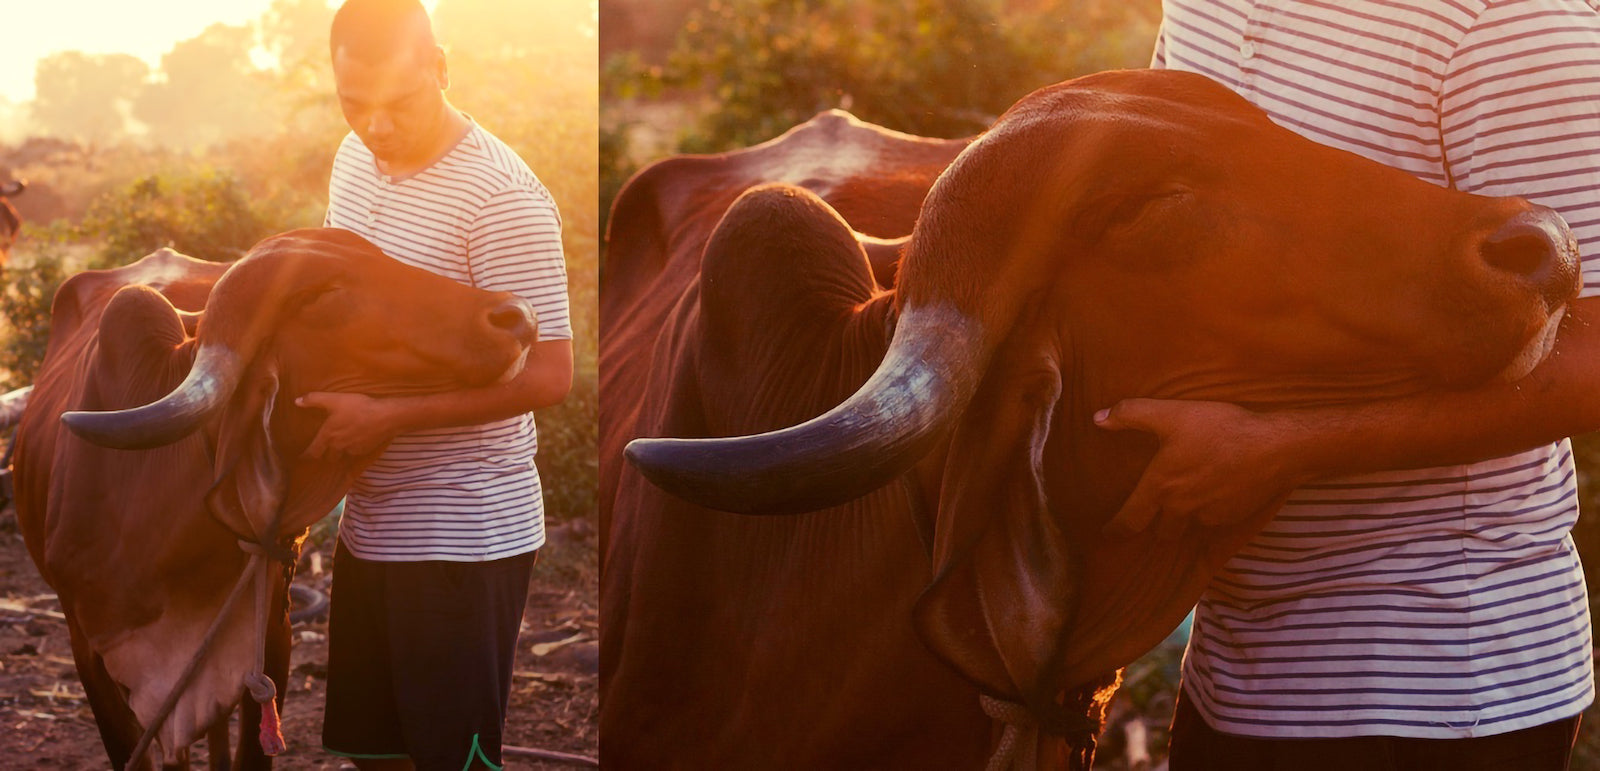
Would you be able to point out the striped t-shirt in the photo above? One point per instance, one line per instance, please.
(1436, 603)
(478, 216)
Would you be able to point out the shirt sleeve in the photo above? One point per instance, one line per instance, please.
(1158, 57)
(1519, 113)
(515, 246)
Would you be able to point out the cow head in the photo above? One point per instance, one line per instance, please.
(1130, 234)
(309, 310)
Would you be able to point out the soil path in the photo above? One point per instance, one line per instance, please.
(46, 723)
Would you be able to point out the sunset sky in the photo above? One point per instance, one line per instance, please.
(145, 28)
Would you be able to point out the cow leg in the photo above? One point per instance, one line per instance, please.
(217, 746)
(119, 729)
(181, 763)
(249, 756)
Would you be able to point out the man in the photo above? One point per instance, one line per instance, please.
(1380, 614)
(440, 533)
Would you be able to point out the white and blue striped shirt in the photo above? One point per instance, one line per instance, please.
(480, 217)
(1436, 603)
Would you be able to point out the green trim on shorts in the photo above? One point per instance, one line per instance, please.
(477, 753)
(332, 751)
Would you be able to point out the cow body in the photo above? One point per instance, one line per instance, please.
(1128, 234)
(143, 545)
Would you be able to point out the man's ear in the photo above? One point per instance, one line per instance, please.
(441, 68)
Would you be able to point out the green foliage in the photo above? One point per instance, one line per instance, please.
(25, 302)
(203, 213)
(929, 67)
(568, 456)
(752, 69)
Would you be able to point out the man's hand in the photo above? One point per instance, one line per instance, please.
(1218, 464)
(356, 424)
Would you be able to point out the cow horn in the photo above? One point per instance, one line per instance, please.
(14, 187)
(924, 382)
(210, 383)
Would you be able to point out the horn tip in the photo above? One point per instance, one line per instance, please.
(95, 428)
(697, 471)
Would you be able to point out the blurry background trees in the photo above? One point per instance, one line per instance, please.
(713, 75)
(231, 138)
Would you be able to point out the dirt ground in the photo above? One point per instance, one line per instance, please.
(45, 723)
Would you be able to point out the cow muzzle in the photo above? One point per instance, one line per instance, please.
(1537, 251)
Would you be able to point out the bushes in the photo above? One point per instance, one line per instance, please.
(750, 69)
(201, 212)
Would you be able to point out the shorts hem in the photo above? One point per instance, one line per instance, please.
(476, 753)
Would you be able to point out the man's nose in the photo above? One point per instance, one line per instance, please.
(379, 124)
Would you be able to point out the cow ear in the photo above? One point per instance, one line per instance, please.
(250, 478)
(1006, 578)
(139, 338)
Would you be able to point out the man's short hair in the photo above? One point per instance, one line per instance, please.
(376, 29)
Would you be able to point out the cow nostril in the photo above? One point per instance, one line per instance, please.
(1537, 248)
(512, 317)
(1524, 251)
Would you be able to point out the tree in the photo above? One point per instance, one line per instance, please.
(208, 90)
(295, 32)
(85, 97)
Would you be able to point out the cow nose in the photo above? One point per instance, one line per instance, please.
(515, 317)
(1537, 247)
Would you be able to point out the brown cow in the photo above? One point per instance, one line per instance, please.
(10, 221)
(143, 544)
(1143, 233)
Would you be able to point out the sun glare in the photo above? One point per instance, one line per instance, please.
(145, 29)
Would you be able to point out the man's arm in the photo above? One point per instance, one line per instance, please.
(1219, 462)
(514, 246)
(358, 424)
(1517, 116)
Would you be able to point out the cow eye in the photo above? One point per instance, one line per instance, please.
(312, 296)
(1134, 208)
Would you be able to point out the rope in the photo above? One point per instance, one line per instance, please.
(194, 664)
(256, 680)
(1019, 739)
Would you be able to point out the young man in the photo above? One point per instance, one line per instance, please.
(440, 534)
(1428, 618)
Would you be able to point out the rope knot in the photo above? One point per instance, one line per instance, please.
(261, 687)
(271, 728)
(276, 552)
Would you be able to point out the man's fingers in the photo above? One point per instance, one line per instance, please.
(1136, 514)
(313, 400)
(1129, 414)
(318, 447)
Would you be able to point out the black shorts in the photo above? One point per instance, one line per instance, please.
(420, 657)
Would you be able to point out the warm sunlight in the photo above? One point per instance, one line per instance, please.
(144, 29)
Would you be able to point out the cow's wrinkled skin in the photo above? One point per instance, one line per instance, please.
(142, 543)
(1142, 233)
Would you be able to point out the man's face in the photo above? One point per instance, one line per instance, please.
(395, 105)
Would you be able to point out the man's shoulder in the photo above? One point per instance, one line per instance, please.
(350, 149)
(502, 168)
